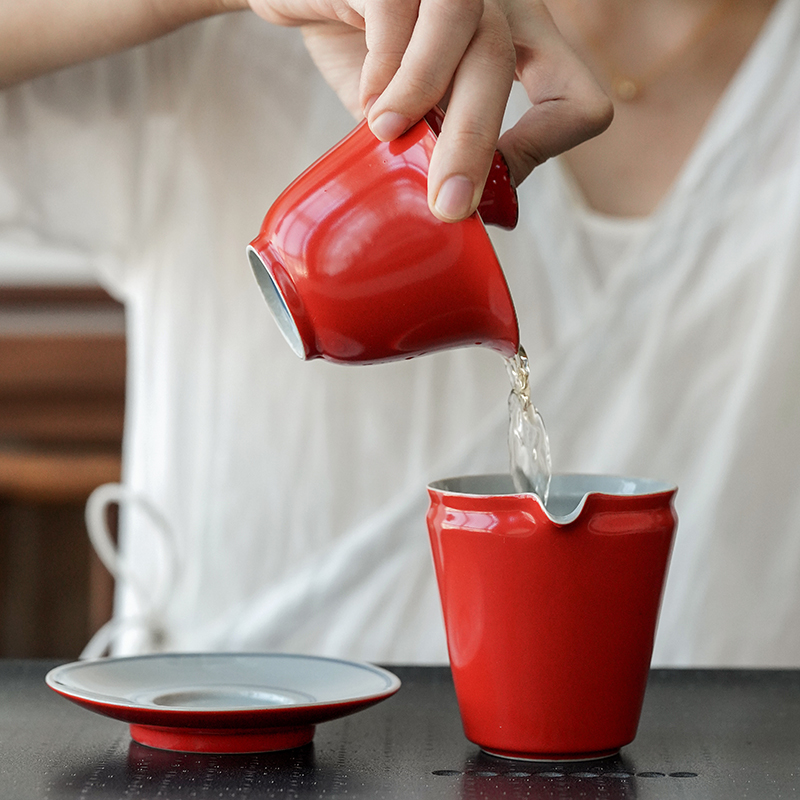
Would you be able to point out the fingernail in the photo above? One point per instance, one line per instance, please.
(454, 200)
(388, 126)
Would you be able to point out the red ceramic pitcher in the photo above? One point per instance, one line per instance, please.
(356, 269)
(551, 614)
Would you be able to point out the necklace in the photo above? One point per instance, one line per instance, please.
(627, 87)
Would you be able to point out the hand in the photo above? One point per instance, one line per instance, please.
(392, 60)
(568, 106)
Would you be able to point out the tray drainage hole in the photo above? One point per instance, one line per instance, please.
(683, 774)
(446, 772)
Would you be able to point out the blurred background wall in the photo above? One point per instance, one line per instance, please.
(62, 384)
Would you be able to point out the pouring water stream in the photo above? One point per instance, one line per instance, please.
(528, 445)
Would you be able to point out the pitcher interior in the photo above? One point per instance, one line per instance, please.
(567, 492)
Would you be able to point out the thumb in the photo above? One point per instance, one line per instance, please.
(568, 106)
(549, 128)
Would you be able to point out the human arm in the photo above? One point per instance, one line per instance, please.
(43, 36)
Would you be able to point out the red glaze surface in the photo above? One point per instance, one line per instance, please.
(367, 273)
(192, 740)
(499, 204)
(233, 720)
(550, 626)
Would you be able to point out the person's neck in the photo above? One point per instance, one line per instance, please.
(684, 54)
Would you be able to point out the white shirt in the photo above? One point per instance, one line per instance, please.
(295, 492)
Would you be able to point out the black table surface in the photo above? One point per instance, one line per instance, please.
(703, 734)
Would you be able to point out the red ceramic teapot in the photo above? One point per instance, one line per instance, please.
(356, 269)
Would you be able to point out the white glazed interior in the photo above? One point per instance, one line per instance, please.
(276, 302)
(568, 493)
(220, 681)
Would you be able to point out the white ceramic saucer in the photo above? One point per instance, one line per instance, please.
(223, 702)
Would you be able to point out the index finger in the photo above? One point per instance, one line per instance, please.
(441, 34)
(465, 149)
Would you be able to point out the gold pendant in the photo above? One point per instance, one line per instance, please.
(625, 89)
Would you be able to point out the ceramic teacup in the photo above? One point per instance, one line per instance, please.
(356, 269)
(551, 614)
(151, 598)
